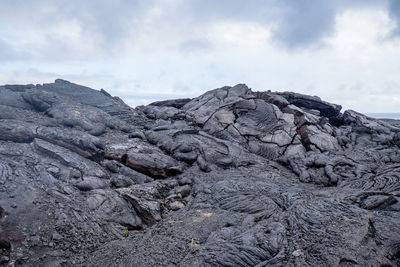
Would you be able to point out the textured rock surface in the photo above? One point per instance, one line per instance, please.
(230, 178)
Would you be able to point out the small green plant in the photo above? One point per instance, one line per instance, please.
(192, 244)
(126, 232)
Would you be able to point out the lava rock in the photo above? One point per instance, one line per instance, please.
(230, 178)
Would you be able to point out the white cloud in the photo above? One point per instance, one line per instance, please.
(362, 33)
(238, 34)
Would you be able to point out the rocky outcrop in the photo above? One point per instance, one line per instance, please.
(230, 178)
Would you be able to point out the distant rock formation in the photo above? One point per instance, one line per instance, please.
(233, 177)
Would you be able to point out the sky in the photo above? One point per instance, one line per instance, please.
(345, 51)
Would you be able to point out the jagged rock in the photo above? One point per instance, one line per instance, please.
(145, 199)
(183, 190)
(176, 205)
(121, 181)
(230, 178)
(90, 183)
(313, 103)
(176, 103)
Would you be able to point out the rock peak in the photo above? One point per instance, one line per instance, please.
(61, 81)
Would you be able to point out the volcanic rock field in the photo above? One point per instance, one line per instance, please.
(234, 177)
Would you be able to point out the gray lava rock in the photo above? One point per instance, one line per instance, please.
(176, 205)
(230, 178)
(145, 200)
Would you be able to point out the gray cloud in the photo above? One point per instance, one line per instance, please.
(111, 19)
(106, 22)
(300, 23)
(394, 12)
(305, 21)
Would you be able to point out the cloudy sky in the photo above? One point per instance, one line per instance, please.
(345, 51)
